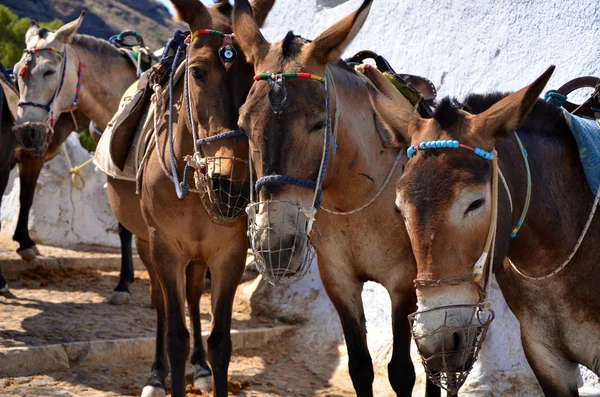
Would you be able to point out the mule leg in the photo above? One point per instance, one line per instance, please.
(4, 175)
(401, 371)
(155, 386)
(557, 376)
(29, 171)
(344, 291)
(121, 294)
(170, 269)
(226, 274)
(195, 284)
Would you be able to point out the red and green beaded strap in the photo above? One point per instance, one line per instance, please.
(34, 50)
(200, 32)
(299, 75)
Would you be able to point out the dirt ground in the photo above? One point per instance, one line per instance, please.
(48, 306)
(252, 372)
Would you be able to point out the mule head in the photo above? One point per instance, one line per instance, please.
(217, 89)
(285, 120)
(47, 76)
(445, 199)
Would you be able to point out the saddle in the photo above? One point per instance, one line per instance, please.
(418, 90)
(591, 107)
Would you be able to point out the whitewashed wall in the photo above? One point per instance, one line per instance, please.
(462, 46)
(62, 215)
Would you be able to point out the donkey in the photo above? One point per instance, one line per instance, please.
(179, 239)
(449, 196)
(29, 169)
(60, 72)
(294, 143)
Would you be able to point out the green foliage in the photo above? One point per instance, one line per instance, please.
(12, 35)
(86, 139)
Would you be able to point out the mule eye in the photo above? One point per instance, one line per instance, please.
(318, 127)
(475, 205)
(199, 74)
(48, 73)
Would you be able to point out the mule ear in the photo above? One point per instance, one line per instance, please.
(511, 112)
(247, 32)
(260, 10)
(192, 12)
(328, 47)
(392, 122)
(66, 32)
(31, 31)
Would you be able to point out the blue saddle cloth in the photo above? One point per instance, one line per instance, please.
(587, 136)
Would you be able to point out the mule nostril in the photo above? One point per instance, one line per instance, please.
(456, 341)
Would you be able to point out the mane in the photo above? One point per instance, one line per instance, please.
(98, 46)
(545, 118)
(292, 45)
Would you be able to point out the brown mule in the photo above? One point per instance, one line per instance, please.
(446, 196)
(295, 147)
(178, 239)
(48, 83)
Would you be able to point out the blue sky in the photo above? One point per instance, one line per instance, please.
(166, 2)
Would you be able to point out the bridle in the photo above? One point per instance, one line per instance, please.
(50, 120)
(488, 250)
(197, 160)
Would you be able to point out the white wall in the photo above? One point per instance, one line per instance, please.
(462, 46)
(62, 215)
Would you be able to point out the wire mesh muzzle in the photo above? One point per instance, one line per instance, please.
(460, 345)
(282, 239)
(224, 185)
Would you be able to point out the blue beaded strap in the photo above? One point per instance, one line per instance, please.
(448, 144)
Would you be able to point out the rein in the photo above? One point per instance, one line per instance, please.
(50, 121)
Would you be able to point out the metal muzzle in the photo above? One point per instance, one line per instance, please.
(223, 184)
(456, 346)
(283, 238)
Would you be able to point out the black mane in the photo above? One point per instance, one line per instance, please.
(544, 116)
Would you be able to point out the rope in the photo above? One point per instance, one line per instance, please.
(181, 188)
(95, 129)
(283, 180)
(572, 254)
(77, 178)
(338, 110)
(514, 232)
(224, 135)
(381, 189)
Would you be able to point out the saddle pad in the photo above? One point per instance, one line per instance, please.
(587, 136)
(102, 157)
(10, 93)
(141, 140)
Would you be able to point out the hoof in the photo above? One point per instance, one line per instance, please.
(36, 250)
(204, 383)
(4, 290)
(120, 298)
(153, 391)
(28, 254)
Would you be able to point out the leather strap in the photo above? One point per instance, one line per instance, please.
(584, 109)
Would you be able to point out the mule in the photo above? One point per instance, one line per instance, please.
(545, 263)
(71, 78)
(180, 236)
(306, 164)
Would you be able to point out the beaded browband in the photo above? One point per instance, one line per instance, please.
(295, 75)
(227, 51)
(448, 144)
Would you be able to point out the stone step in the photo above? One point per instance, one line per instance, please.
(29, 360)
(11, 267)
